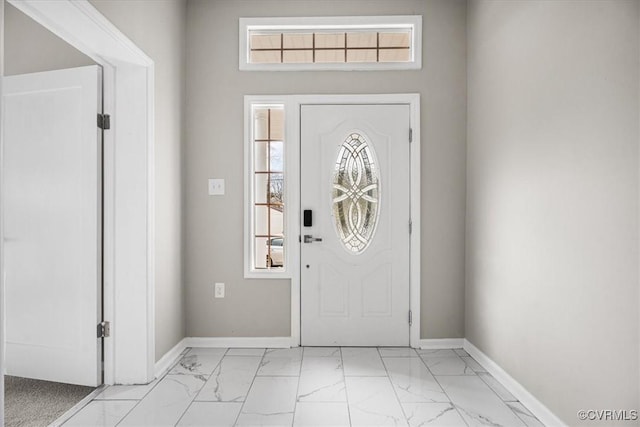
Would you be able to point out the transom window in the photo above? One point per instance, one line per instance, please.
(348, 43)
(330, 47)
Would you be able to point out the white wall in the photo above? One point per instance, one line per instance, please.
(552, 207)
(215, 90)
(158, 28)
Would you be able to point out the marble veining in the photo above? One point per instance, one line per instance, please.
(190, 363)
(280, 367)
(207, 351)
(281, 362)
(322, 380)
(437, 353)
(498, 388)
(471, 363)
(211, 414)
(197, 364)
(524, 414)
(166, 403)
(448, 366)
(477, 403)
(332, 389)
(231, 379)
(432, 414)
(461, 352)
(290, 353)
(412, 381)
(313, 386)
(477, 419)
(372, 402)
(271, 396)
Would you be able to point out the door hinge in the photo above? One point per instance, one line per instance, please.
(410, 135)
(410, 226)
(104, 329)
(410, 318)
(104, 121)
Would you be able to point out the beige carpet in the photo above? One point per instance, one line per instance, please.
(35, 403)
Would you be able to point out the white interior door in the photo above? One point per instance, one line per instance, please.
(355, 176)
(52, 214)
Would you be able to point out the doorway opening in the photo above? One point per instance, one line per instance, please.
(128, 233)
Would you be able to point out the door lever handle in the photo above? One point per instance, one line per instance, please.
(309, 238)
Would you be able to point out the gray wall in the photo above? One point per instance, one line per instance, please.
(215, 90)
(552, 207)
(29, 47)
(158, 28)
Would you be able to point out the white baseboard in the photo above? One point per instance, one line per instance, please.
(247, 342)
(170, 358)
(536, 407)
(437, 344)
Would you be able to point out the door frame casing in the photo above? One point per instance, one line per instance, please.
(128, 244)
(292, 104)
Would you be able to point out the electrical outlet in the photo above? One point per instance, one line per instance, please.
(216, 187)
(219, 290)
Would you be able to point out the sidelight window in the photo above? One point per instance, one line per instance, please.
(267, 226)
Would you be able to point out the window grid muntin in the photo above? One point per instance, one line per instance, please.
(269, 204)
(345, 48)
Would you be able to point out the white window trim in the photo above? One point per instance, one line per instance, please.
(413, 22)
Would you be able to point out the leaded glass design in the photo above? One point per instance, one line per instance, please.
(356, 193)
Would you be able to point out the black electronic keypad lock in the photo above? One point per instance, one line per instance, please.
(307, 218)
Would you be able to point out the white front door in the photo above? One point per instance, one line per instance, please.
(52, 219)
(355, 175)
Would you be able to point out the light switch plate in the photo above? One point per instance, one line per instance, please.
(216, 187)
(219, 290)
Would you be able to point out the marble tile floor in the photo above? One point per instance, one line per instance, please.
(312, 386)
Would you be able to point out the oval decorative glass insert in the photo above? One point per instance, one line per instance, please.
(356, 193)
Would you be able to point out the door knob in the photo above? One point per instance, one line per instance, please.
(309, 238)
